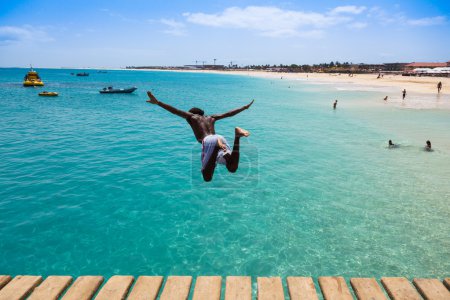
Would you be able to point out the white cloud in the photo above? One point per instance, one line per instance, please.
(348, 9)
(427, 21)
(379, 15)
(271, 21)
(293, 33)
(357, 25)
(15, 34)
(389, 18)
(174, 27)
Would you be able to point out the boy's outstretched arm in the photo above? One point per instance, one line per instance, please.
(232, 112)
(175, 111)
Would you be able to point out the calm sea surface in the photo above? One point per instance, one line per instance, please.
(109, 184)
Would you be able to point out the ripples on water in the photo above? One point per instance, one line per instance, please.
(107, 184)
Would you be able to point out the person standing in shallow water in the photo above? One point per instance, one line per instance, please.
(404, 94)
(334, 104)
(391, 144)
(215, 148)
(439, 86)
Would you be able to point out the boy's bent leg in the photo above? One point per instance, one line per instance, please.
(233, 158)
(210, 166)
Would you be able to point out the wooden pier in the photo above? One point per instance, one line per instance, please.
(210, 288)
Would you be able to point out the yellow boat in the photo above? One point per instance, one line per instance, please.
(32, 79)
(48, 94)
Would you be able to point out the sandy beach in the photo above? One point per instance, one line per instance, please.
(421, 91)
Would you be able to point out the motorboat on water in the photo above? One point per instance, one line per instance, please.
(32, 79)
(83, 74)
(111, 90)
(48, 94)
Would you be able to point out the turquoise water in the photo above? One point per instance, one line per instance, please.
(109, 184)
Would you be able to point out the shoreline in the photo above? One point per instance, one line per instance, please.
(424, 85)
(421, 91)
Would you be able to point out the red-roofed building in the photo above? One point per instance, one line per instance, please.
(415, 65)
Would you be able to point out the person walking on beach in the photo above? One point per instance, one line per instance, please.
(404, 94)
(439, 87)
(334, 104)
(215, 148)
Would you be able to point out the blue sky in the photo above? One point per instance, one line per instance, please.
(177, 32)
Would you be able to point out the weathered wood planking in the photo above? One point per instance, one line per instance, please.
(207, 287)
(83, 288)
(431, 289)
(238, 288)
(4, 279)
(51, 288)
(447, 282)
(270, 288)
(367, 289)
(20, 287)
(146, 288)
(176, 288)
(301, 288)
(334, 288)
(116, 288)
(399, 288)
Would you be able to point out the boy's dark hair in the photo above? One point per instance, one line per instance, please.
(197, 111)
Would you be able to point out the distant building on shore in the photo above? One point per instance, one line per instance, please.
(407, 69)
(415, 65)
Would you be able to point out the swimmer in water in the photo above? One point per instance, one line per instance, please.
(428, 146)
(391, 144)
(334, 104)
(385, 98)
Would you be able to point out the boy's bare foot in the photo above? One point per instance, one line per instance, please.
(241, 132)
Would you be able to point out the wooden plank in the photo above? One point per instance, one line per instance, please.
(367, 289)
(116, 288)
(447, 282)
(238, 288)
(207, 287)
(146, 288)
(334, 288)
(51, 288)
(270, 288)
(176, 288)
(431, 289)
(19, 287)
(399, 288)
(4, 279)
(301, 288)
(83, 288)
